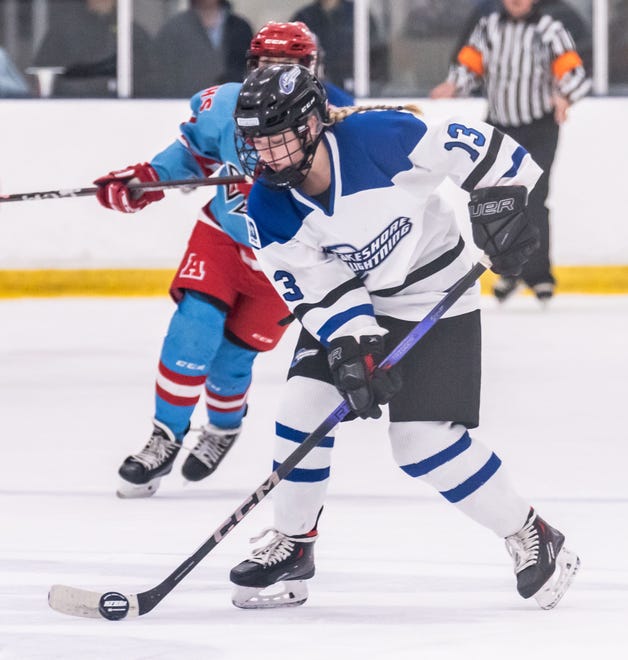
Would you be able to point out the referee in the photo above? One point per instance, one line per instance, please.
(531, 72)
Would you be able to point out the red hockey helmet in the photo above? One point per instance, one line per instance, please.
(284, 40)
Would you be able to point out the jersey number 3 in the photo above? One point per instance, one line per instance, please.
(293, 292)
(456, 130)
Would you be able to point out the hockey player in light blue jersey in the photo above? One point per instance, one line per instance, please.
(349, 224)
(227, 311)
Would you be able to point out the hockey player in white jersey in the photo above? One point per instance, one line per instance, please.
(349, 225)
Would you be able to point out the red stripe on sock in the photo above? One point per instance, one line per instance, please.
(225, 410)
(180, 379)
(226, 399)
(176, 400)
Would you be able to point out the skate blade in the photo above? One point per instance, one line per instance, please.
(567, 565)
(289, 593)
(128, 491)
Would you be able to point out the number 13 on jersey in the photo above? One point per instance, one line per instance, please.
(457, 130)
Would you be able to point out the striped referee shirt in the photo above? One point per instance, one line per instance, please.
(523, 63)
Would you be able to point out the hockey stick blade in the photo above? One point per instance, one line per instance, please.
(110, 605)
(147, 185)
(114, 605)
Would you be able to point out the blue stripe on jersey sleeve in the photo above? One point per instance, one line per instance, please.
(518, 155)
(338, 320)
(375, 146)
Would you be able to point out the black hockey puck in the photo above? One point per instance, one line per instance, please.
(113, 606)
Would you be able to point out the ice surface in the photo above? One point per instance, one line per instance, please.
(400, 573)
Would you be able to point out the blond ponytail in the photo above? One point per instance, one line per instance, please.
(337, 115)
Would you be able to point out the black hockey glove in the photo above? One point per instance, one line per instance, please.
(353, 367)
(502, 228)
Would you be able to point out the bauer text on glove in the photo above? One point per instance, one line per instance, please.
(502, 228)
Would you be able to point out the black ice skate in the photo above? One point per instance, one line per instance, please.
(211, 447)
(141, 473)
(505, 287)
(285, 563)
(543, 566)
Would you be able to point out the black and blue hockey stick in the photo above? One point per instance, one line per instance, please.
(143, 186)
(114, 605)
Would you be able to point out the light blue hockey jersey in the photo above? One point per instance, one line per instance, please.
(388, 243)
(207, 146)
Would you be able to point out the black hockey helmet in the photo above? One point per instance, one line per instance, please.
(280, 100)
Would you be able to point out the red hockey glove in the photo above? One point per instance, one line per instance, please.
(114, 193)
(353, 367)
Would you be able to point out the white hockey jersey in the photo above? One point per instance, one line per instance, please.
(388, 243)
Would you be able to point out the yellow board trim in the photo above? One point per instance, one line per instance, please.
(49, 283)
(579, 279)
(138, 282)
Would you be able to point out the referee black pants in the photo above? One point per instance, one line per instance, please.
(540, 139)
